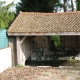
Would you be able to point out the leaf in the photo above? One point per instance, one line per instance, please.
(5, 15)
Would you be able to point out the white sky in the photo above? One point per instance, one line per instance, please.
(9, 1)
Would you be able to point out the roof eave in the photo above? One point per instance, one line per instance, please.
(42, 34)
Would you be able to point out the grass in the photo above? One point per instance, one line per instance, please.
(20, 66)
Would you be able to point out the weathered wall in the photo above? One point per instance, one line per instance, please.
(5, 59)
(78, 43)
(41, 42)
(41, 47)
(26, 49)
(32, 43)
(12, 44)
(71, 41)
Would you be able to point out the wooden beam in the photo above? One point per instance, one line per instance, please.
(45, 34)
(23, 39)
(18, 49)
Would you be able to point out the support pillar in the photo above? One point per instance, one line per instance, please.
(20, 54)
(79, 46)
(18, 49)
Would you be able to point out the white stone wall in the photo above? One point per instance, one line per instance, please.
(5, 59)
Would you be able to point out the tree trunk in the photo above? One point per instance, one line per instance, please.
(65, 6)
(72, 5)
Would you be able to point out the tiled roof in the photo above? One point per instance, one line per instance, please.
(34, 22)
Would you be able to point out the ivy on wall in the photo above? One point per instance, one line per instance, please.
(54, 42)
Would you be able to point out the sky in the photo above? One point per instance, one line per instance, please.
(68, 8)
(9, 1)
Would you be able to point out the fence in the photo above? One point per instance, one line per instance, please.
(3, 39)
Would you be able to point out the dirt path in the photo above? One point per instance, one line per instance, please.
(40, 73)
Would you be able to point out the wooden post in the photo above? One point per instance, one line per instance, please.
(79, 47)
(18, 49)
(23, 39)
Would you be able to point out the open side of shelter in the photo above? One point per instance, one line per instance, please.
(31, 31)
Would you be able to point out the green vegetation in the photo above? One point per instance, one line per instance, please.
(78, 5)
(54, 43)
(20, 66)
(37, 5)
(56, 40)
(5, 15)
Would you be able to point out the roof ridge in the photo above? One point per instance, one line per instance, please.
(49, 12)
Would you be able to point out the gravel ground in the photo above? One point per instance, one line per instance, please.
(40, 73)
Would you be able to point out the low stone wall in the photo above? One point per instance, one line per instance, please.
(5, 59)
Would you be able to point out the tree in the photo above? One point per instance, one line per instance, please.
(78, 5)
(68, 5)
(65, 5)
(36, 5)
(5, 15)
(72, 5)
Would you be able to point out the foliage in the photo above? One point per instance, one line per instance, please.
(20, 66)
(56, 40)
(68, 5)
(78, 5)
(5, 15)
(54, 43)
(37, 5)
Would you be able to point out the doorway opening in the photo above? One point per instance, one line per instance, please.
(54, 51)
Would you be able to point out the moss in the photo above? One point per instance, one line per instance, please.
(20, 66)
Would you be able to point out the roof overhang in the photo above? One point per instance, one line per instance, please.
(30, 24)
(44, 34)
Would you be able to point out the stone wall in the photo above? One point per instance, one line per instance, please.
(5, 58)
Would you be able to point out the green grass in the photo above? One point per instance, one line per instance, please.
(20, 66)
